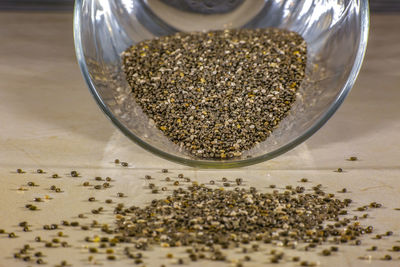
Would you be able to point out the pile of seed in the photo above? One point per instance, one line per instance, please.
(201, 215)
(219, 93)
(209, 221)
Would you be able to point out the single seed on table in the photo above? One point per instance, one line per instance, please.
(164, 170)
(64, 263)
(98, 178)
(2, 231)
(170, 256)
(167, 179)
(26, 229)
(38, 254)
(39, 261)
(387, 258)
(187, 179)
(224, 179)
(344, 190)
(339, 170)
(74, 224)
(56, 240)
(147, 177)
(335, 249)
(108, 179)
(60, 234)
(212, 182)
(109, 251)
(120, 194)
(65, 223)
(85, 227)
(111, 257)
(38, 239)
(53, 226)
(74, 174)
(53, 187)
(93, 250)
(58, 190)
(238, 181)
(31, 184)
(106, 185)
(226, 184)
(180, 175)
(22, 224)
(80, 215)
(124, 164)
(352, 159)
(365, 215)
(164, 188)
(154, 191)
(151, 185)
(32, 207)
(272, 186)
(20, 171)
(116, 161)
(11, 235)
(176, 183)
(389, 233)
(55, 175)
(26, 258)
(97, 187)
(39, 171)
(94, 211)
(108, 201)
(358, 242)
(86, 184)
(48, 245)
(304, 180)
(37, 199)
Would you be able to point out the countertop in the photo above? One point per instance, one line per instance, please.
(50, 121)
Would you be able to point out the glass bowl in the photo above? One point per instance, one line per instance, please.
(336, 32)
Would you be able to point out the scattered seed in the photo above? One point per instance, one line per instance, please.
(74, 174)
(124, 164)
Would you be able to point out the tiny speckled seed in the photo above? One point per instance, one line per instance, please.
(124, 164)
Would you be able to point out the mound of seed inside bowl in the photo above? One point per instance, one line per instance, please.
(219, 93)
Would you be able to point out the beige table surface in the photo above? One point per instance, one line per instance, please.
(49, 120)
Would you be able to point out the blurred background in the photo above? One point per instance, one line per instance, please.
(67, 5)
